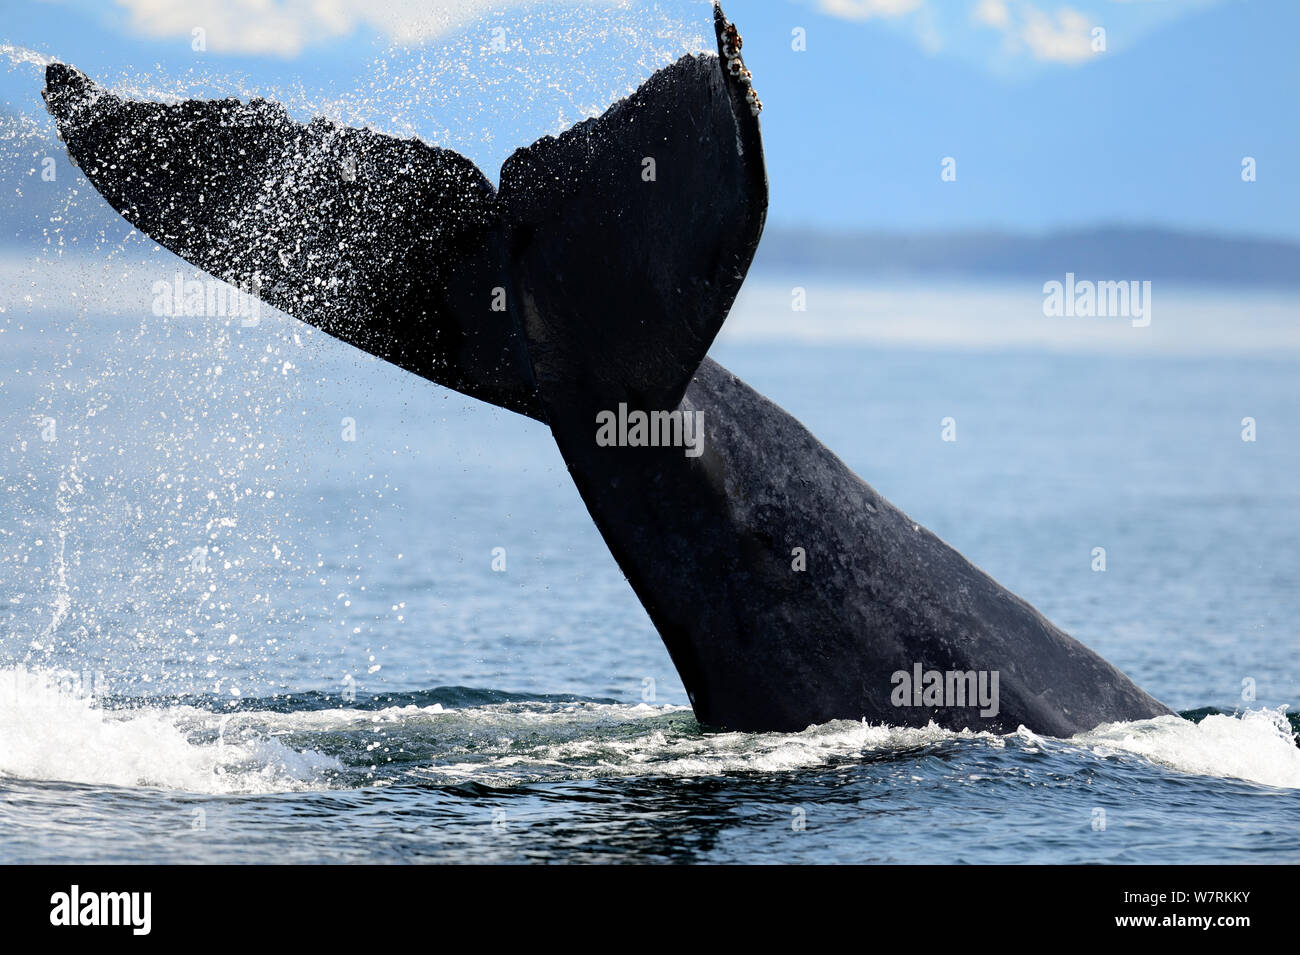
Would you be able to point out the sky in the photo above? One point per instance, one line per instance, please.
(879, 115)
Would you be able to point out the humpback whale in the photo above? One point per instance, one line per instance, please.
(786, 590)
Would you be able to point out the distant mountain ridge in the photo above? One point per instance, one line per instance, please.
(80, 218)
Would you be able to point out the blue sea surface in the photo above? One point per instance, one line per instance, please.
(264, 598)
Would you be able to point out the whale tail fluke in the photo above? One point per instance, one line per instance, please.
(389, 244)
(609, 258)
(596, 278)
(631, 233)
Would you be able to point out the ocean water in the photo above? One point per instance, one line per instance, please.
(249, 610)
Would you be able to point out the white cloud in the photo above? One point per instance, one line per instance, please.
(992, 13)
(868, 9)
(285, 27)
(1063, 35)
(1066, 38)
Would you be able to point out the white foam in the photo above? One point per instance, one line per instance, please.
(668, 751)
(1256, 746)
(51, 731)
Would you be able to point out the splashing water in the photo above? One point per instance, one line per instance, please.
(1258, 745)
(186, 427)
(51, 729)
(20, 55)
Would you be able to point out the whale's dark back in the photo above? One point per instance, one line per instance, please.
(789, 592)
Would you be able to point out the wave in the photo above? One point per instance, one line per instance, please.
(1258, 745)
(50, 731)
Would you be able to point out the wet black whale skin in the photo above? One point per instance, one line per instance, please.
(707, 544)
(615, 287)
